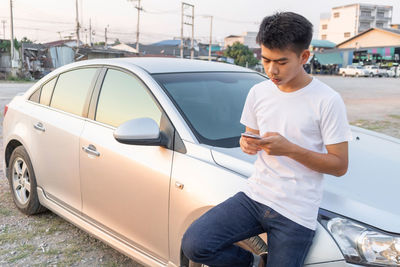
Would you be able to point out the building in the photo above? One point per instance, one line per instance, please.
(347, 21)
(247, 38)
(373, 37)
(375, 46)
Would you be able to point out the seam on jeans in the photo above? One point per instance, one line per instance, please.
(306, 249)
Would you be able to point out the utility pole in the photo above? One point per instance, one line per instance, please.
(210, 45)
(192, 48)
(105, 37)
(182, 29)
(90, 32)
(183, 22)
(77, 27)
(139, 8)
(4, 29)
(12, 36)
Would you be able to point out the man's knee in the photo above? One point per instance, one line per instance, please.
(195, 246)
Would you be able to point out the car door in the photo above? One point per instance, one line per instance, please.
(56, 124)
(125, 188)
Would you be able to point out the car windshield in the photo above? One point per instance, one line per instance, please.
(211, 102)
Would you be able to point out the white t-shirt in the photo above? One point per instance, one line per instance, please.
(311, 117)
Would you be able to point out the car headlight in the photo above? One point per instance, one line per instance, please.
(362, 244)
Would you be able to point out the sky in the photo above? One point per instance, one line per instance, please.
(49, 20)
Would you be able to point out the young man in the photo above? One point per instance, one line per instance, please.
(304, 133)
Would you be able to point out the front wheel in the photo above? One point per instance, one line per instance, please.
(343, 74)
(253, 244)
(23, 182)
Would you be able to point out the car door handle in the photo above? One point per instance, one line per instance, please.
(179, 185)
(91, 149)
(39, 126)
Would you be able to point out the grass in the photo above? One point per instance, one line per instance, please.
(394, 116)
(17, 79)
(5, 212)
(372, 125)
(22, 252)
(71, 255)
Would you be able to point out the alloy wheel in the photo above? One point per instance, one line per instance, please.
(21, 181)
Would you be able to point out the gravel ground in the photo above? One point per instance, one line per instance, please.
(48, 240)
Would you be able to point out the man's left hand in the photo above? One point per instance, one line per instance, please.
(275, 144)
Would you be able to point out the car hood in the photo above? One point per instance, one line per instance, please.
(368, 192)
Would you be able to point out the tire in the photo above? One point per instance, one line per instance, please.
(343, 74)
(371, 75)
(22, 180)
(253, 244)
(357, 75)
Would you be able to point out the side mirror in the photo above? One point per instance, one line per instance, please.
(141, 131)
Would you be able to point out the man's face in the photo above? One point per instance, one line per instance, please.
(282, 66)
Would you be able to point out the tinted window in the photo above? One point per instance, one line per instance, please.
(71, 90)
(124, 97)
(211, 102)
(35, 96)
(47, 90)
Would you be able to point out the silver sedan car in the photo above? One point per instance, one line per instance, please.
(134, 150)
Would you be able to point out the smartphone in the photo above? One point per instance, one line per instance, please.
(251, 135)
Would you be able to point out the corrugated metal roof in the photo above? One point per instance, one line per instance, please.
(168, 43)
(329, 58)
(322, 43)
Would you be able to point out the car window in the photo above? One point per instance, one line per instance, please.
(71, 90)
(35, 96)
(46, 92)
(124, 97)
(211, 102)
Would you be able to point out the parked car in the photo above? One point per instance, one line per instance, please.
(352, 70)
(134, 150)
(393, 72)
(375, 71)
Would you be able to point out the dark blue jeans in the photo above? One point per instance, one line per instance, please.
(210, 239)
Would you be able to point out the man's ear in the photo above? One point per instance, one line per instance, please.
(304, 56)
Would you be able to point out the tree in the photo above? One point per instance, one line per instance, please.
(5, 45)
(116, 42)
(241, 54)
(26, 40)
(99, 44)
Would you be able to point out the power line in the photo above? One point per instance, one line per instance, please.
(42, 21)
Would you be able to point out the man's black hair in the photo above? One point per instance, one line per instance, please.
(285, 30)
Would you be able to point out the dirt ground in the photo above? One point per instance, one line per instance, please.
(48, 240)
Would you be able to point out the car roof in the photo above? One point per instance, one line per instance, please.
(170, 65)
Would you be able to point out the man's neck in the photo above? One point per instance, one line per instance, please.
(298, 82)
